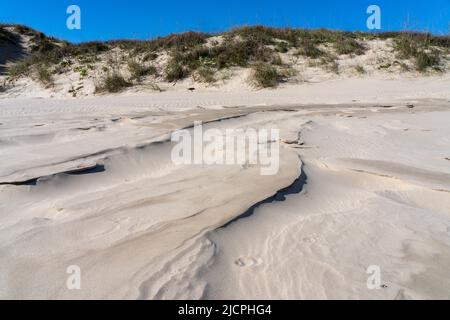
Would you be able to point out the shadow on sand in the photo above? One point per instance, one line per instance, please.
(11, 49)
(294, 188)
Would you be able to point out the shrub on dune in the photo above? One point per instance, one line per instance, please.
(206, 74)
(425, 60)
(265, 75)
(175, 71)
(139, 70)
(44, 76)
(17, 70)
(346, 45)
(422, 49)
(113, 83)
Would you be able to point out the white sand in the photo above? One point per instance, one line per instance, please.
(377, 193)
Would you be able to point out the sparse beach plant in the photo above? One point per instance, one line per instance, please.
(155, 87)
(17, 70)
(175, 71)
(276, 60)
(328, 62)
(385, 66)
(406, 47)
(308, 47)
(404, 67)
(150, 56)
(426, 60)
(331, 65)
(360, 69)
(139, 70)
(82, 70)
(206, 74)
(265, 75)
(422, 48)
(44, 76)
(347, 45)
(282, 47)
(113, 82)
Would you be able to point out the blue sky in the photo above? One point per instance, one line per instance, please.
(141, 19)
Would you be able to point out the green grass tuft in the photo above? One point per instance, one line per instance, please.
(422, 48)
(44, 76)
(360, 69)
(175, 71)
(139, 70)
(265, 75)
(113, 83)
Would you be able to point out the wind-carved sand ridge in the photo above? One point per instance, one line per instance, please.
(135, 181)
(89, 183)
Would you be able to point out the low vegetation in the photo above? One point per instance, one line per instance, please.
(206, 74)
(18, 69)
(139, 70)
(272, 53)
(265, 75)
(425, 50)
(113, 83)
(44, 76)
(428, 59)
(175, 71)
(360, 69)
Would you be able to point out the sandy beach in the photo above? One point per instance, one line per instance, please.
(364, 180)
(254, 163)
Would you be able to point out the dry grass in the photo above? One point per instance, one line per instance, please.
(113, 82)
(44, 76)
(258, 47)
(175, 71)
(265, 75)
(360, 69)
(139, 70)
(425, 50)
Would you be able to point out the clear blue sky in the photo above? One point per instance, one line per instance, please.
(143, 19)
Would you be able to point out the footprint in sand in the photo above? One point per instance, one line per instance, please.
(248, 262)
(309, 239)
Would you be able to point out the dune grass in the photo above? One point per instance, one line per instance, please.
(195, 54)
(266, 75)
(113, 82)
(360, 69)
(425, 50)
(44, 76)
(138, 70)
